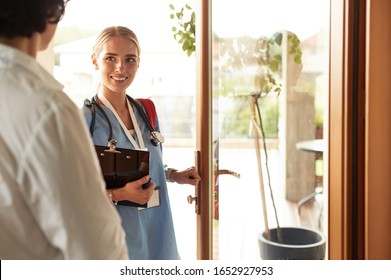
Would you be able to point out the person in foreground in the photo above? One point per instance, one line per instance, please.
(149, 231)
(52, 199)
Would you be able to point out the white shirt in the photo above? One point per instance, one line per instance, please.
(53, 203)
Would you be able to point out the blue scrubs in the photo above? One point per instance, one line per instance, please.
(150, 232)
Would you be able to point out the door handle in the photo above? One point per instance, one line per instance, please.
(223, 172)
(190, 198)
(227, 172)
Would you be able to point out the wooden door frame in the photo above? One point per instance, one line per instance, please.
(359, 136)
(378, 131)
(335, 136)
(346, 133)
(204, 130)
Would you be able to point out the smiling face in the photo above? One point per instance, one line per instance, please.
(117, 62)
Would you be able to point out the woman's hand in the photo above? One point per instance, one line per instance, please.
(134, 191)
(188, 176)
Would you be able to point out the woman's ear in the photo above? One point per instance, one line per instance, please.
(94, 61)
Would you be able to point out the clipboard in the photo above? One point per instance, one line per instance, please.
(120, 166)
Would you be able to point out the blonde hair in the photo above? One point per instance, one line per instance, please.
(114, 31)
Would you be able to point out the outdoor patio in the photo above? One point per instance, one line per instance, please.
(241, 217)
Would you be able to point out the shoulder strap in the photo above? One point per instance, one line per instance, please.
(150, 109)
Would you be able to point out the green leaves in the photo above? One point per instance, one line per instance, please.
(268, 81)
(184, 30)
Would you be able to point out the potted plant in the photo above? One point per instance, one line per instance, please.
(279, 242)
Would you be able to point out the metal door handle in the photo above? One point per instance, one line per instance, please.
(227, 172)
(191, 199)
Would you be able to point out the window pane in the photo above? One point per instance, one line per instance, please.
(274, 54)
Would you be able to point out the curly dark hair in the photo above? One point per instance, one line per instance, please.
(25, 17)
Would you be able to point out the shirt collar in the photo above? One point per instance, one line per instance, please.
(13, 56)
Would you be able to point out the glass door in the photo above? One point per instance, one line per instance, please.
(269, 107)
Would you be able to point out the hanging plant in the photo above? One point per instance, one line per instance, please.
(184, 29)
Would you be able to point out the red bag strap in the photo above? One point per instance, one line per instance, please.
(150, 109)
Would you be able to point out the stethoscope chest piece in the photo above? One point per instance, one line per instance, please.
(156, 138)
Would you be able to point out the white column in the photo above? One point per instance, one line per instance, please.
(296, 123)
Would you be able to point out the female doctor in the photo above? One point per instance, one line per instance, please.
(149, 231)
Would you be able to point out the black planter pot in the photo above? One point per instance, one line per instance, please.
(297, 244)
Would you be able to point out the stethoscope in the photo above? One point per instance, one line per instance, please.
(155, 138)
